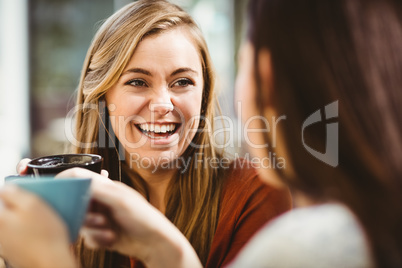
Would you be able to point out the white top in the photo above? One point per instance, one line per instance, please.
(319, 236)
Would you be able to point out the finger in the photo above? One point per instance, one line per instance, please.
(111, 194)
(76, 173)
(82, 173)
(96, 220)
(11, 196)
(14, 197)
(98, 237)
(6, 216)
(22, 166)
(105, 173)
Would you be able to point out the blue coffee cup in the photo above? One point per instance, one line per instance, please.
(69, 197)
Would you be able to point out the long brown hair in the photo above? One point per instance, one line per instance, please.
(193, 195)
(347, 51)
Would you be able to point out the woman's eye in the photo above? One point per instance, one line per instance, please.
(183, 82)
(136, 83)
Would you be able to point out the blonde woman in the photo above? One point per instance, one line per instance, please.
(146, 104)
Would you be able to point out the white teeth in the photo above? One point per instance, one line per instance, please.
(143, 127)
(157, 128)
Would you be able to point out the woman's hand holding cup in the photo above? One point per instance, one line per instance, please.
(122, 220)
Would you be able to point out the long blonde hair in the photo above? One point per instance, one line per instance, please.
(192, 197)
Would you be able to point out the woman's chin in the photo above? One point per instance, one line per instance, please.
(156, 160)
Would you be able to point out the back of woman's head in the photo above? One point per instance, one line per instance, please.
(347, 53)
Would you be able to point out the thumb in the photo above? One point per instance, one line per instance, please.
(22, 166)
(105, 173)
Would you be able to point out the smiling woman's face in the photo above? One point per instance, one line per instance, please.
(155, 104)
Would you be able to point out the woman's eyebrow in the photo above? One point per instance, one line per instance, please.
(183, 70)
(146, 72)
(137, 70)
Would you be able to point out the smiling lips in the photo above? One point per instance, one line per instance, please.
(158, 131)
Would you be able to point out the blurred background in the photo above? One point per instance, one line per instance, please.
(42, 48)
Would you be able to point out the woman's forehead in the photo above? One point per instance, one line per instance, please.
(171, 48)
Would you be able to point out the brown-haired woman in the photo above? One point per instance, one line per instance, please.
(146, 104)
(338, 63)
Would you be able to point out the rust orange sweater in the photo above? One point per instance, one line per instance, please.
(246, 205)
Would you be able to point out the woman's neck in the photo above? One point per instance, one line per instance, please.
(302, 200)
(157, 183)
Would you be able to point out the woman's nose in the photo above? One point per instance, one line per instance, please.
(161, 103)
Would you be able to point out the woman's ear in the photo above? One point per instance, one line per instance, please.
(265, 74)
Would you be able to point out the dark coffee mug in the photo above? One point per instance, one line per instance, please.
(53, 164)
